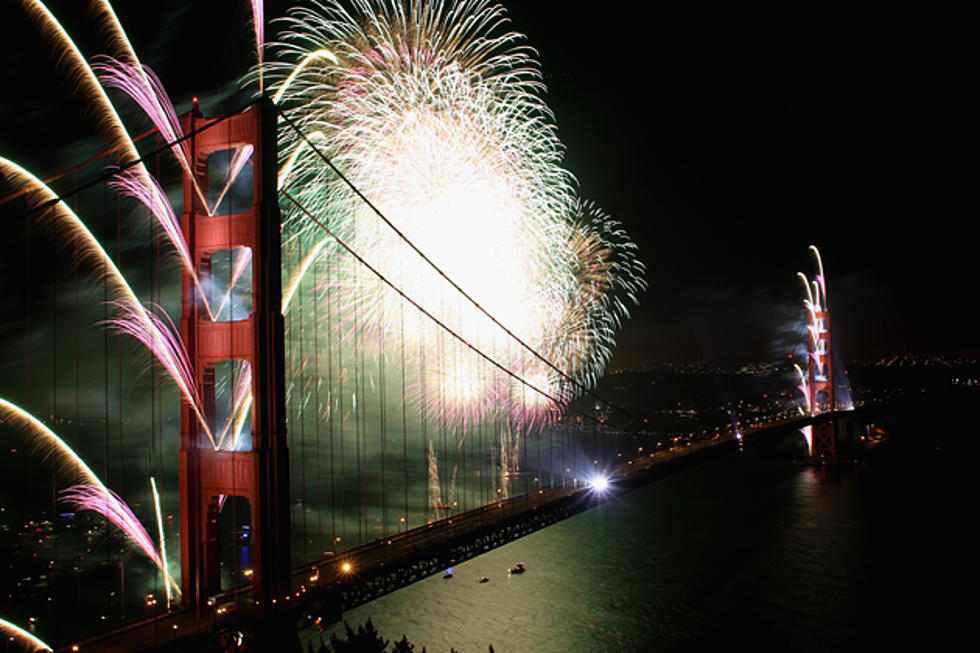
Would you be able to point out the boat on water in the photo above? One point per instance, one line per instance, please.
(484, 580)
(449, 573)
(518, 568)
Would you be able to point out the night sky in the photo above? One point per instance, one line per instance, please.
(726, 142)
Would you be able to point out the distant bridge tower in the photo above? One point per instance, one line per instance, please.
(820, 367)
(259, 474)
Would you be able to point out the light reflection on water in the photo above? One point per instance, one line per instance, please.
(748, 549)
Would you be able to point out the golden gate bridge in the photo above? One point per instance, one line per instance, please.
(318, 466)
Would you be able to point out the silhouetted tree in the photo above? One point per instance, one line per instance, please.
(365, 640)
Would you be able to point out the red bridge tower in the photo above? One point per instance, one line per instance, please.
(261, 474)
(820, 368)
(821, 385)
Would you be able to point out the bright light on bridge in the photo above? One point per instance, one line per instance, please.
(600, 484)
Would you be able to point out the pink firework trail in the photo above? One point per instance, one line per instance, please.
(108, 504)
(148, 192)
(131, 184)
(141, 84)
(67, 460)
(162, 341)
(145, 88)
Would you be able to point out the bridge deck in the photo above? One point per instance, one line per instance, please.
(322, 590)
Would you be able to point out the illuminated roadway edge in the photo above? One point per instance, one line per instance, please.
(322, 590)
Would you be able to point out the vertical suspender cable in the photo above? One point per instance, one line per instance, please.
(105, 377)
(54, 381)
(119, 390)
(383, 427)
(316, 411)
(331, 399)
(423, 407)
(401, 349)
(341, 373)
(300, 420)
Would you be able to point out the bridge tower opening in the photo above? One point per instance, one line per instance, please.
(255, 471)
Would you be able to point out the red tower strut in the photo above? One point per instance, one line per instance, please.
(821, 380)
(261, 475)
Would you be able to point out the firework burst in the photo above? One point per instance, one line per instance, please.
(435, 113)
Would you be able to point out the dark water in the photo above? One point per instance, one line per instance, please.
(749, 550)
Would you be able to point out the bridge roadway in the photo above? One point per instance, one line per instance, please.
(322, 590)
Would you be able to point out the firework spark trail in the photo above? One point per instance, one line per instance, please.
(163, 542)
(50, 444)
(435, 491)
(162, 341)
(303, 147)
(820, 280)
(297, 278)
(141, 84)
(439, 119)
(807, 432)
(510, 458)
(803, 387)
(132, 184)
(81, 75)
(84, 80)
(16, 633)
(243, 257)
(306, 60)
(809, 302)
(241, 403)
(240, 416)
(108, 504)
(112, 31)
(75, 231)
(144, 87)
(238, 160)
(258, 25)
